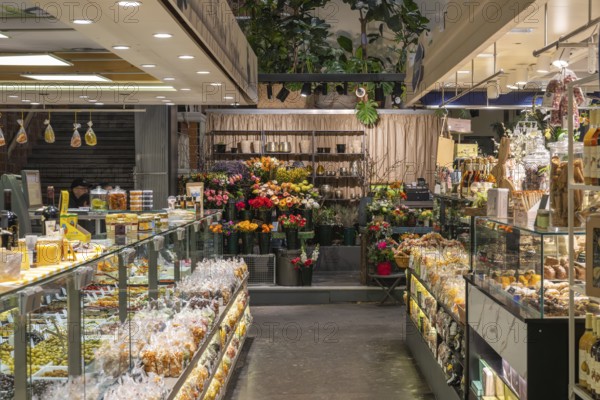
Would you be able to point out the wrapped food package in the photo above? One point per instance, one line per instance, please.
(49, 136)
(21, 134)
(76, 138)
(90, 136)
(2, 139)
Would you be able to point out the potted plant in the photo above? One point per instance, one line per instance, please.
(263, 207)
(231, 237)
(305, 265)
(425, 217)
(264, 238)
(243, 213)
(325, 219)
(381, 255)
(379, 208)
(379, 229)
(291, 225)
(246, 230)
(348, 217)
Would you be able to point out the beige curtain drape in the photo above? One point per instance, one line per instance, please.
(401, 146)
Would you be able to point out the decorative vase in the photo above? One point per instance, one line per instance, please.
(291, 238)
(247, 242)
(306, 276)
(232, 243)
(230, 211)
(325, 235)
(349, 236)
(384, 268)
(245, 215)
(308, 215)
(264, 242)
(285, 274)
(427, 222)
(266, 216)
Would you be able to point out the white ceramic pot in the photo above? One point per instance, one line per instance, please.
(245, 146)
(305, 146)
(256, 146)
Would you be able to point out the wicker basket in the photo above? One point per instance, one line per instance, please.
(402, 261)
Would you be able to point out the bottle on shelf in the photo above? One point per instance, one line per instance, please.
(584, 348)
(9, 222)
(594, 360)
(50, 214)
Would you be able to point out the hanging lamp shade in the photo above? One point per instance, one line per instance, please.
(543, 64)
(493, 90)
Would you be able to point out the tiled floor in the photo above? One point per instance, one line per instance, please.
(328, 352)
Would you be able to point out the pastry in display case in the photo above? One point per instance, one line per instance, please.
(527, 269)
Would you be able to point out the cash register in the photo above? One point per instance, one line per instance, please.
(418, 191)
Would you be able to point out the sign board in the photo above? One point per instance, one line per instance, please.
(465, 150)
(32, 188)
(459, 125)
(445, 152)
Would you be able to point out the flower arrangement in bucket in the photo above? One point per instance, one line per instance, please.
(379, 229)
(381, 254)
(291, 224)
(263, 206)
(305, 265)
(425, 217)
(246, 230)
(215, 198)
(264, 238)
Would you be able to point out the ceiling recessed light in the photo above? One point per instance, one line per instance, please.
(35, 104)
(26, 101)
(13, 96)
(186, 57)
(121, 47)
(485, 55)
(216, 84)
(170, 104)
(129, 3)
(161, 97)
(82, 21)
(35, 60)
(99, 104)
(148, 65)
(235, 104)
(185, 89)
(162, 35)
(166, 101)
(168, 79)
(228, 97)
(203, 72)
(67, 77)
(522, 30)
(92, 100)
(3, 36)
(84, 97)
(463, 72)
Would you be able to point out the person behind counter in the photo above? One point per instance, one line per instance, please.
(80, 194)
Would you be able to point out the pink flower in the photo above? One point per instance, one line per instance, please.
(219, 197)
(381, 245)
(225, 197)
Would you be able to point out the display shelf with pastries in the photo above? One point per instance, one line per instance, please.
(517, 304)
(526, 269)
(450, 218)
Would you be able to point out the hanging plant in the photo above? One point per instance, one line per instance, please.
(49, 136)
(90, 136)
(366, 112)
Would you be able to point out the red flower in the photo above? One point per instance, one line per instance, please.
(308, 262)
(240, 205)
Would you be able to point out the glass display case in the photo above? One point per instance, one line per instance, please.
(140, 315)
(451, 219)
(527, 269)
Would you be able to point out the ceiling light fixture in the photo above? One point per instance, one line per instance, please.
(82, 21)
(99, 104)
(166, 101)
(13, 96)
(203, 72)
(186, 57)
(3, 36)
(463, 72)
(521, 76)
(306, 89)
(35, 104)
(92, 101)
(34, 60)
(269, 91)
(493, 90)
(168, 79)
(26, 101)
(67, 77)
(185, 89)
(543, 64)
(521, 30)
(148, 65)
(283, 94)
(121, 47)
(162, 35)
(228, 97)
(84, 97)
(170, 104)
(485, 55)
(129, 3)
(161, 97)
(216, 84)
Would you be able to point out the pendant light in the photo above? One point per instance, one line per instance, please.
(560, 59)
(521, 76)
(493, 90)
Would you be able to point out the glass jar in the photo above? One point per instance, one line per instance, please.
(559, 152)
(536, 165)
(117, 199)
(98, 199)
